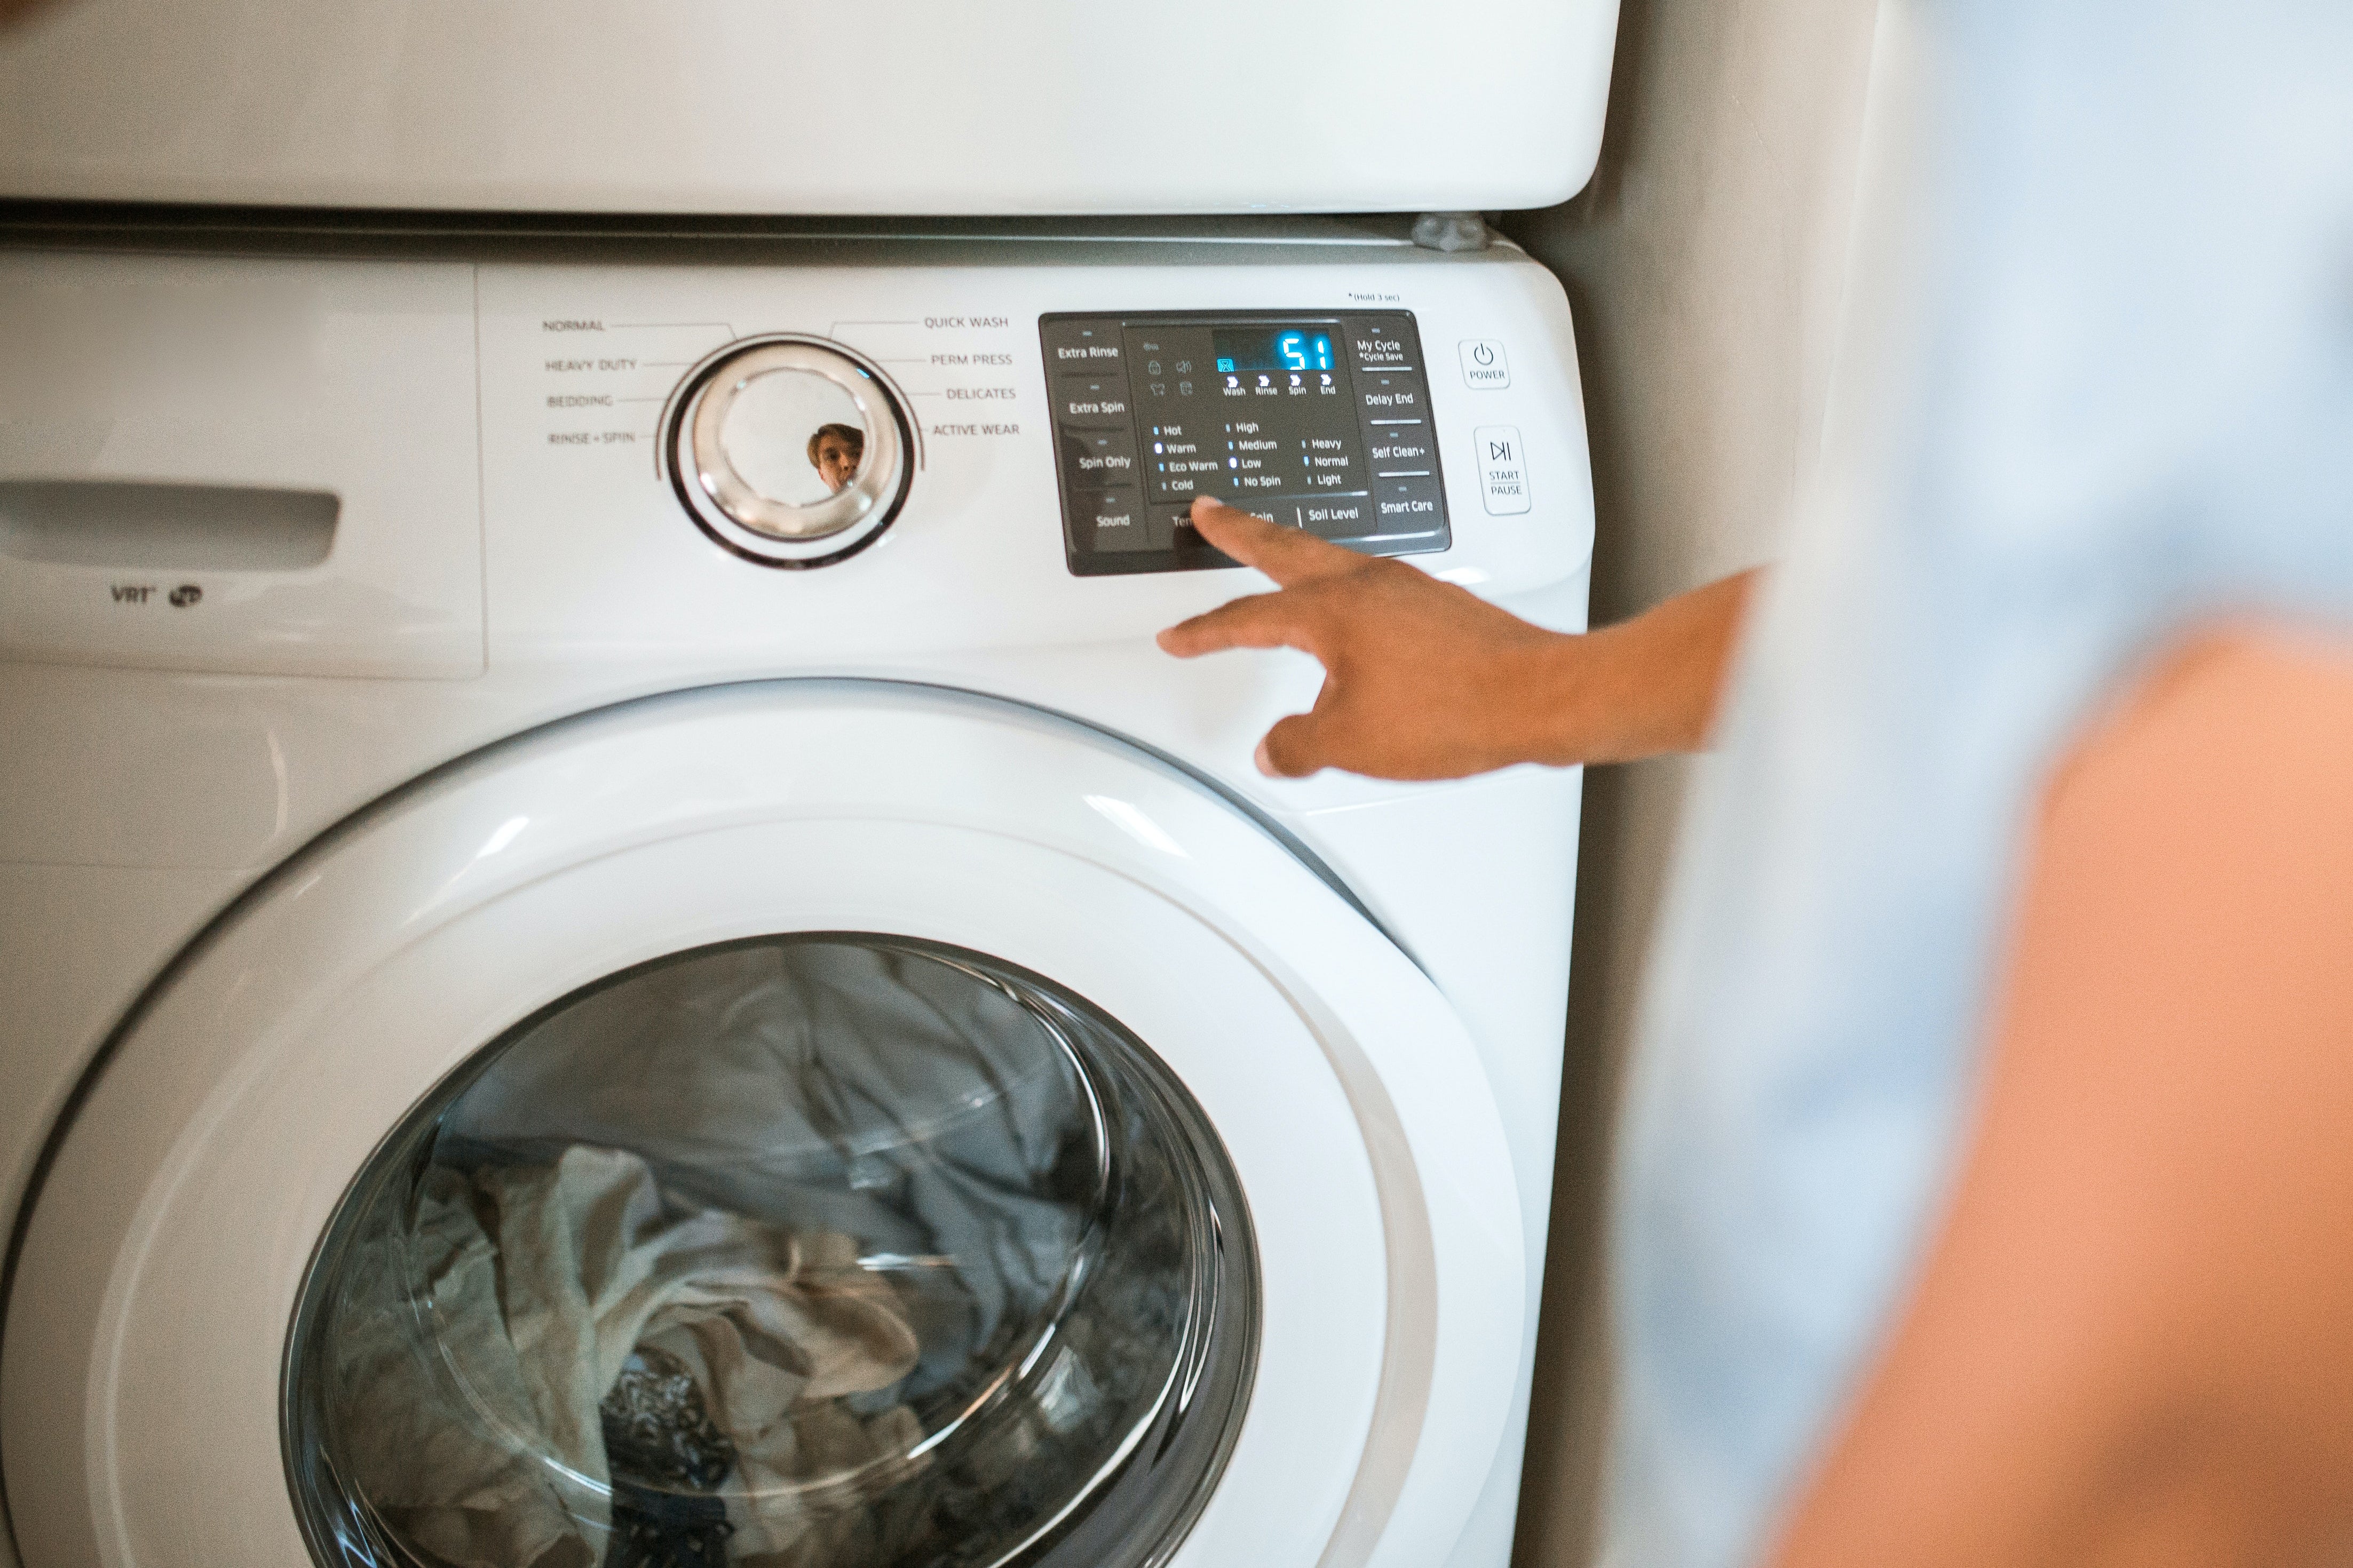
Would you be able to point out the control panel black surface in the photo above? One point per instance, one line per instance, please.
(1318, 420)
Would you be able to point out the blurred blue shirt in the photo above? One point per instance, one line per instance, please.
(2133, 412)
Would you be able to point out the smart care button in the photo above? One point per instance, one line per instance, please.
(1095, 401)
(1082, 345)
(1407, 506)
(1483, 365)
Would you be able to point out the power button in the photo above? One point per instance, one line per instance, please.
(1483, 365)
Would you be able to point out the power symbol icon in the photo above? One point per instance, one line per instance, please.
(1485, 364)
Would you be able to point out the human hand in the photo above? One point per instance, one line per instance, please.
(1425, 681)
(1422, 679)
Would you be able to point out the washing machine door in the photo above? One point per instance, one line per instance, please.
(786, 1123)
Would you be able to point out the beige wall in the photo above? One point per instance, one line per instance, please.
(1706, 264)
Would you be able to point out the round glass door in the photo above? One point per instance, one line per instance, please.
(842, 1250)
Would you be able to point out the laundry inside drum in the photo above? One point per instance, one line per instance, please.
(834, 1250)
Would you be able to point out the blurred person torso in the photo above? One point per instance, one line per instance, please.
(2100, 395)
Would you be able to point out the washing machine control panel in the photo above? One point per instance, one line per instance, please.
(1319, 421)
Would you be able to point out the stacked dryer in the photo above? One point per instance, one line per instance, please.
(616, 946)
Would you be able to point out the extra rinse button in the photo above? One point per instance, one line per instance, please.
(1483, 365)
(1082, 346)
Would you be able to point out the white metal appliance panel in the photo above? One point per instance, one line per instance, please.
(227, 380)
(591, 556)
(744, 106)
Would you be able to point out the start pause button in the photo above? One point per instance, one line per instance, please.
(1502, 477)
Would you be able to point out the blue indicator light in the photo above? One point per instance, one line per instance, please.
(1239, 347)
(1301, 350)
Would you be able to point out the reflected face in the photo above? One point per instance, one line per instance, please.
(837, 461)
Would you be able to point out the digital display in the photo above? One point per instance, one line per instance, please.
(1272, 348)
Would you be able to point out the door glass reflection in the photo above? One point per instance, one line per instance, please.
(794, 435)
(848, 1251)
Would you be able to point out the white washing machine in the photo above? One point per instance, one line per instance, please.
(616, 946)
(529, 908)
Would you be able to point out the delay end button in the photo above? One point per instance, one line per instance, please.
(1483, 365)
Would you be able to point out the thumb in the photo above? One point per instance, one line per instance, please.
(1294, 748)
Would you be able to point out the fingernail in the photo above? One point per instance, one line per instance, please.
(1265, 763)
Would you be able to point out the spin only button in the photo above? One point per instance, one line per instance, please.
(1098, 458)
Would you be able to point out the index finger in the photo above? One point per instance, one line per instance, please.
(1255, 620)
(1289, 556)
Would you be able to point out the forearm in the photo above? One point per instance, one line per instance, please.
(2132, 1341)
(1643, 687)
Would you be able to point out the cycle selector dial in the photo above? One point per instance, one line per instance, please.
(789, 451)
